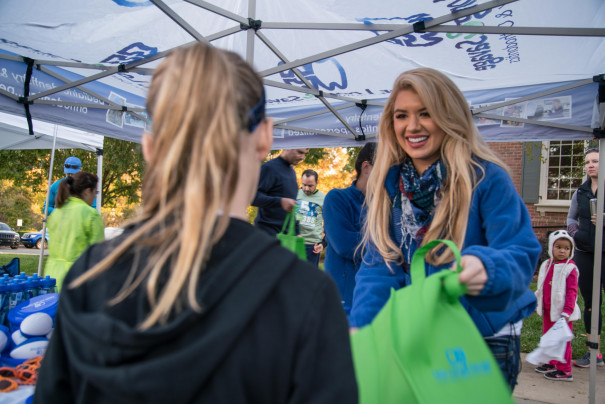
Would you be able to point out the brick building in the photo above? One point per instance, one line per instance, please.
(546, 219)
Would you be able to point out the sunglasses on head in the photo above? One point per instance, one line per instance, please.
(72, 166)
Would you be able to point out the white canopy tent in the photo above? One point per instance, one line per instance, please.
(14, 135)
(531, 69)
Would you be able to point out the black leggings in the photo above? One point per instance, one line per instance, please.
(585, 263)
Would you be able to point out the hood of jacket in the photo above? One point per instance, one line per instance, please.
(106, 347)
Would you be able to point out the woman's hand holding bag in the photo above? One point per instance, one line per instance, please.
(423, 346)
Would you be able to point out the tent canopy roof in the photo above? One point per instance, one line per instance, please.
(90, 62)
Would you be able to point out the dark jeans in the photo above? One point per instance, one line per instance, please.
(585, 263)
(311, 256)
(507, 351)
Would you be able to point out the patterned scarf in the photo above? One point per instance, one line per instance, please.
(415, 205)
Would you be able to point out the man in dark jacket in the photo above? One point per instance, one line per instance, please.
(277, 190)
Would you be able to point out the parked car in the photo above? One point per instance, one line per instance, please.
(34, 239)
(8, 236)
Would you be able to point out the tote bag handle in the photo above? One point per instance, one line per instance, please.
(453, 288)
(290, 222)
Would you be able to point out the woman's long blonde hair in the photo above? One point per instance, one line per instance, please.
(449, 110)
(199, 99)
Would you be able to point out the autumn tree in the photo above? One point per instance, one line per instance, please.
(27, 170)
(335, 168)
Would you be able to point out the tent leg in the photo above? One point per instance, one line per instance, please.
(50, 180)
(100, 176)
(596, 280)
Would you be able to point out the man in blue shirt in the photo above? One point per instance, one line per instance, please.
(71, 166)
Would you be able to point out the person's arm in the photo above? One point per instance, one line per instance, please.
(572, 215)
(324, 371)
(342, 233)
(263, 198)
(571, 294)
(52, 195)
(373, 284)
(96, 229)
(509, 250)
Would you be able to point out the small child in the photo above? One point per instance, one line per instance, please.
(557, 297)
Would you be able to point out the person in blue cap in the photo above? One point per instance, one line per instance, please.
(71, 166)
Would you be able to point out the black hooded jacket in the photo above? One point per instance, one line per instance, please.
(272, 331)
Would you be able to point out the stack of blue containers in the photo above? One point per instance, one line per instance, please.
(21, 297)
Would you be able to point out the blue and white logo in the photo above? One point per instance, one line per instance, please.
(325, 74)
(133, 3)
(460, 369)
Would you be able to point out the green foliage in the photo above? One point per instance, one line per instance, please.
(353, 152)
(313, 156)
(122, 169)
(15, 203)
(23, 195)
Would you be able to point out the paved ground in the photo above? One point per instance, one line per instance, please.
(533, 388)
(21, 250)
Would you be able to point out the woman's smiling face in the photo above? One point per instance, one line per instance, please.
(416, 131)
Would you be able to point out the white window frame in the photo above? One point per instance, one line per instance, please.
(545, 205)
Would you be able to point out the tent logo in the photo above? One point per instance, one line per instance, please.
(325, 74)
(133, 3)
(459, 368)
(132, 52)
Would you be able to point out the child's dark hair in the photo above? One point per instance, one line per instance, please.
(75, 185)
(367, 153)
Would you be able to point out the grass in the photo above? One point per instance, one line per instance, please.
(28, 263)
(532, 331)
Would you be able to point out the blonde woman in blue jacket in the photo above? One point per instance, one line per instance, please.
(435, 178)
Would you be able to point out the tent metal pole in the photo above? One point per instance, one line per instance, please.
(220, 11)
(311, 114)
(50, 179)
(99, 153)
(89, 92)
(315, 92)
(464, 29)
(318, 131)
(177, 19)
(331, 26)
(9, 95)
(539, 123)
(250, 33)
(73, 84)
(595, 333)
(467, 29)
(21, 142)
(533, 96)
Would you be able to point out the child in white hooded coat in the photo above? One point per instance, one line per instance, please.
(557, 295)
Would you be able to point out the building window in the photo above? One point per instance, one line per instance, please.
(561, 172)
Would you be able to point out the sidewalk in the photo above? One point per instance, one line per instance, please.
(533, 388)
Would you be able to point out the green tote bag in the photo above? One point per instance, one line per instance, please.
(290, 240)
(423, 347)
